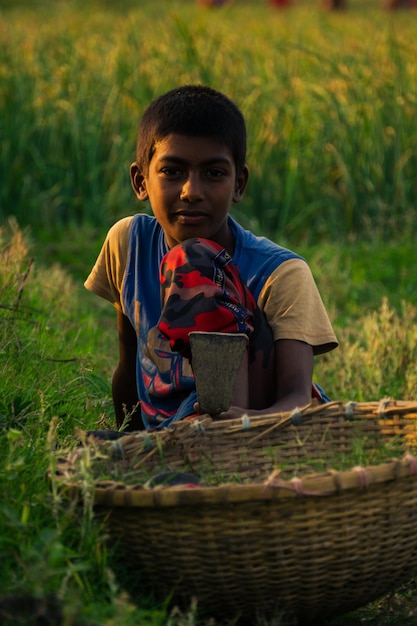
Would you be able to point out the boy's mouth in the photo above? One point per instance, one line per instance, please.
(190, 217)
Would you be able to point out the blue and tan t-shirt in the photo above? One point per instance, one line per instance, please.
(126, 274)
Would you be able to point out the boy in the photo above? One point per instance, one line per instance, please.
(192, 267)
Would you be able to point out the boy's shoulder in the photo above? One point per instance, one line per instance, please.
(124, 223)
(250, 245)
(121, 230)
(258, 257)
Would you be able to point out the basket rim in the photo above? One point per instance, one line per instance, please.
(118, 494)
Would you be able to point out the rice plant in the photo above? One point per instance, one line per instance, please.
(329, 101)
(55, 373)
(330, 105)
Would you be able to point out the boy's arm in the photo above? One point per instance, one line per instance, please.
(294, 362)
(292, 382)
(125, 395)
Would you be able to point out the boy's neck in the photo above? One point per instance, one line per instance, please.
(226, 240)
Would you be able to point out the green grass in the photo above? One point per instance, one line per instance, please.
(330, 109)
(56, 356)
(54, 379)
(330, 104)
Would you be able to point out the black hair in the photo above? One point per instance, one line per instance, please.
(194, 111)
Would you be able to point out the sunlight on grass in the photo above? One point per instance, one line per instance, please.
(330, 102)
(49, 389)
(330, 111)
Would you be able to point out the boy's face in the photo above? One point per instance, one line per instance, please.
(191, 184)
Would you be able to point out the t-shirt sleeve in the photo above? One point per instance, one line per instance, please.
(294, 308)
(106, 277)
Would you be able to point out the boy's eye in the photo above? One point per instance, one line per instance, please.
(171, 171)
(216, 173)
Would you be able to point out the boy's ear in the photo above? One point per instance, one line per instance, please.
(241, 182)
(138, 182)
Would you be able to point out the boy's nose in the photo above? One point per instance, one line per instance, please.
(192, 190)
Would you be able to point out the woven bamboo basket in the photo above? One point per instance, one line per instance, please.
(311, 513)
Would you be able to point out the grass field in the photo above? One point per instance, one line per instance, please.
(330, 100)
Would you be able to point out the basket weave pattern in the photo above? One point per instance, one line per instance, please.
(273, 525)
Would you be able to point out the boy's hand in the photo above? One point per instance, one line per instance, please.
(281, 406)
(234, 412)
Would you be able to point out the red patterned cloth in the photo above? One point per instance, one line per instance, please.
(202, 290)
